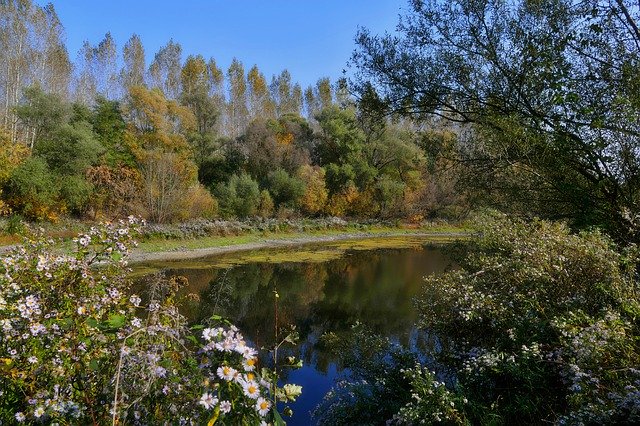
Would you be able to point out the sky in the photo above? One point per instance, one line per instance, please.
(311, 38)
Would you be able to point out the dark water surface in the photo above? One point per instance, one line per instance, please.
(322, 289)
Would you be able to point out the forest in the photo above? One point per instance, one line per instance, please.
(108, 135)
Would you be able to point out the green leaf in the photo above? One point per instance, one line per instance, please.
(92, 322)
(116, 321)
(278, 418)
(214, 419)
(93, 365)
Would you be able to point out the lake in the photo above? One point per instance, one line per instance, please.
(321, 288)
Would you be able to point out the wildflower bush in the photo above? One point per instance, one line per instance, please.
(540, 324)
(537, 324)
(78, 347)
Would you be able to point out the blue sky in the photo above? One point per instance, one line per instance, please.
(311, 39)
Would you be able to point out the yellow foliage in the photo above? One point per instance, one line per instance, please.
(158, 121)
(315, 196)
(285, 138)
(340, 204)
(11, 155)
(200, 203)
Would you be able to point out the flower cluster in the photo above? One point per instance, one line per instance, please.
(77, 346)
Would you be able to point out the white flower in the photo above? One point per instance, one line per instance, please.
(32, 360)
(225, 406)
(136, 322)
(38, 412)
(208, 401)
(20, 417)
(249, 364)
(82, 310)
(251, 389)
(262, 406)
(135, 300)
(209, 333)
(227, 373)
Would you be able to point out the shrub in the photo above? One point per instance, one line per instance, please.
(78, 347)
(535, 307)
(239, 197)
(32, 190)
(286, 190)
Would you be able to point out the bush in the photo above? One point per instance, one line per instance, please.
(286, 190)
(240, 197)
(32, 190)
(535, 307)
(78, 347)
(76, 193)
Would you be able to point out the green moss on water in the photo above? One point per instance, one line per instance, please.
(316, 252)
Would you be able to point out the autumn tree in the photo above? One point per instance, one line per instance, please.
(260, 103)
(168, 173)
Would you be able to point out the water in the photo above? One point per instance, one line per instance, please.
(335, 287)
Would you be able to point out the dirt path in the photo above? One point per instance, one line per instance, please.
(139, 256)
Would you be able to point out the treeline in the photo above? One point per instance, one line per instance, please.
(107, 136)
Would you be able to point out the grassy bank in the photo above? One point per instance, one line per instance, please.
(201, 235)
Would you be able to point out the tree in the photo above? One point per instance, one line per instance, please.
(238, 111)
(260, 103)
(31, 53)
(41, 114)
(548, 88)
(133, 69)
(196, 85)
(165, 69)
(105, 66)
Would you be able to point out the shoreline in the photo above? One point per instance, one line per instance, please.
(138, 255)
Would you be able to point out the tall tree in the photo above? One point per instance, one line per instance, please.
(165, 69)
(217, 93)
(549, 87)
(260, 103)
(32, 52)
(86, 82)
(105, 57)
(196, 86)
(237, 107)
(133, 69)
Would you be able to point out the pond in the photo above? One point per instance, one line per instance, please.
(322, 288)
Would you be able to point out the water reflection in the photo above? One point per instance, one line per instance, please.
(373, 287)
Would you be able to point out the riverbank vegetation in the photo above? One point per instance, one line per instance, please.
(78, 347)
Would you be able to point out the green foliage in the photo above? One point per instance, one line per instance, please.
(543, 89)
(43, 112)
(71, 149)
(240, 197)
(75, 192)
(109, 126)
(32, 189)
(534, 307)
(286, 190)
